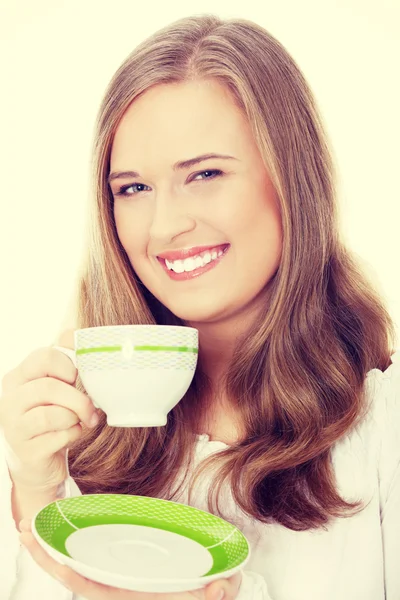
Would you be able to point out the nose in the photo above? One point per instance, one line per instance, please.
(170, 219)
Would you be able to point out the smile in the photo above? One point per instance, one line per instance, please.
(194, 266)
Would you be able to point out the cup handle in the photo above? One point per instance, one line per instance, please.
(64, 489)
(72, 356)
(68, 352)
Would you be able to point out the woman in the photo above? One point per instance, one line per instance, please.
(215, 207)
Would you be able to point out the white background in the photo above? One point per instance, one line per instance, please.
(56, 60)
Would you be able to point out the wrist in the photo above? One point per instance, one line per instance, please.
(27, 501)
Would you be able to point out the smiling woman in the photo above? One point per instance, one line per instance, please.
(178, 215)
(214, 207)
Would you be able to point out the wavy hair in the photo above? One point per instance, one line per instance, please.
(296, 383)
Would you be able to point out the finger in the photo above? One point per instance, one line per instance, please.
(44, 419)
(49, 391)
(224, 588)
(43, 446)
(215, 591)
(236, 579)
(44, 362)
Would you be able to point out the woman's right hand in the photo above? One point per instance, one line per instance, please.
(41, 415)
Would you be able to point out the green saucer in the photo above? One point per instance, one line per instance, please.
(139, 543)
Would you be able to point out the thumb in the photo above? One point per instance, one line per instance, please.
(220, 590)
(224, 589)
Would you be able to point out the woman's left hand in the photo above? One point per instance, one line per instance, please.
(227, 589)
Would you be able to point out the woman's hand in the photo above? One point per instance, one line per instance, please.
(227, 589)
(41, 414)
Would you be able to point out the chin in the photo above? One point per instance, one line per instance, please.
(197, 314)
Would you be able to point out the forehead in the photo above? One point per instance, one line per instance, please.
(189, 117)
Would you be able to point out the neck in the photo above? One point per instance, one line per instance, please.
(217, 342)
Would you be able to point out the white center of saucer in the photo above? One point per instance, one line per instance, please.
(129, 550)
(138, 551)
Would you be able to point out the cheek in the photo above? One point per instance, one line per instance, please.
(270, 239)
(131, 233)
(254, 221)
(259, 236)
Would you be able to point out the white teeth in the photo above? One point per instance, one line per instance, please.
(193, 262)
(178, 266)
(189, 264)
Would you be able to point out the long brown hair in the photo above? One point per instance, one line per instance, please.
(297, 381)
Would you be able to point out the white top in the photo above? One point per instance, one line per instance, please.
(356, 558)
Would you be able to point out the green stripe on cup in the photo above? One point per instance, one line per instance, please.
(138, 349)
(99, 349)
(166, 349)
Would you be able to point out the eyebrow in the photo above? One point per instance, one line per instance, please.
(184, 164)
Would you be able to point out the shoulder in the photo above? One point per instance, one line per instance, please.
(383, 393)
(382, 390)
(373, 446)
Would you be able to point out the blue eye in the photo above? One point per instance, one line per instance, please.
(217, 171)
(123, 190)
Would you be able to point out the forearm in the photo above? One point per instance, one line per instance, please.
(25, 503)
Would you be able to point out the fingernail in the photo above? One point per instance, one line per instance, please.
(94, 419)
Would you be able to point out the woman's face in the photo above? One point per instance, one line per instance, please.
(205, 238)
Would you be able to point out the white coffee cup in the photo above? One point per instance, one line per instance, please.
(135, 373)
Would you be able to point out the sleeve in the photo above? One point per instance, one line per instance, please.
(387, 417)
(9, 542)
(253, 587)
(19, 573)
(389, 475)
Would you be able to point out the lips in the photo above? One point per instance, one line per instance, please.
(197, 272)
(173, 255)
